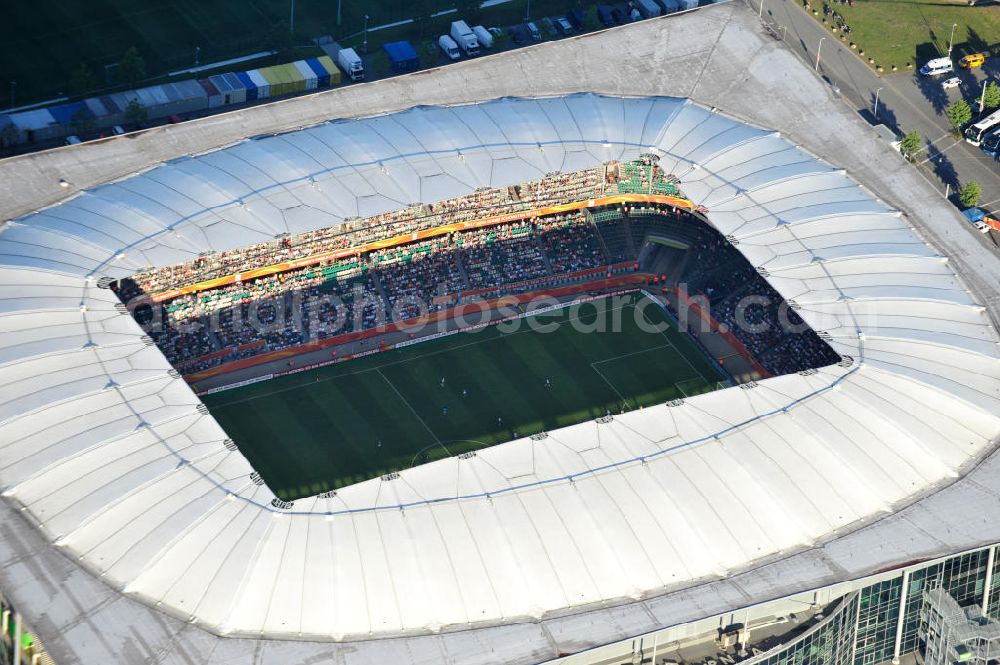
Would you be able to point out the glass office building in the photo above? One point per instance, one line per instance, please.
(864, 622)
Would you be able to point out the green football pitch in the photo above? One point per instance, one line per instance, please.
(329, 427)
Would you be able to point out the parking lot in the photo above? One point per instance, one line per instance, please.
(906, 101)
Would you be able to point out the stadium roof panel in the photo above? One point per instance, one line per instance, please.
(113, 458)
(790, 485)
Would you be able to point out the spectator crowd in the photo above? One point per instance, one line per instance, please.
(367, 288)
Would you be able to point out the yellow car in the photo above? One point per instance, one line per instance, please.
(972, 60)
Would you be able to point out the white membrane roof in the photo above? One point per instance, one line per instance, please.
(108, 451)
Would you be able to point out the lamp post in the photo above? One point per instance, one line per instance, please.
(13, 84)
(527, 11)
(951, 40)
(760, 12)
(364, 44)
(818, 49)
(291, 20)
(197, 55)
(982, 97)
(876, 103)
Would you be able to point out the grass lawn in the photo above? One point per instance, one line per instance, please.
(341, 424)
(898, 32)
(41, 45)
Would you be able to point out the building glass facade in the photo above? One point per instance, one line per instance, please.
(862, 619)
(828, 643)
(879, 612)
(994, 608)
(964, 577)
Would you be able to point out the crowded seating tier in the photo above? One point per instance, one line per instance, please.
(365, 289)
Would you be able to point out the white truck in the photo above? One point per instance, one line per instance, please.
(449, 47)
(484, 36)
(350, 62)
(346, 58)
(464, 37)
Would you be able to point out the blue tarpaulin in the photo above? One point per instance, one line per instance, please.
(322, 76)
(402, 56)
(64, 113)
(973, 214)
(248, 84)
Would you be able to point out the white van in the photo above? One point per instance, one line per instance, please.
(937, 66)
(449, 46)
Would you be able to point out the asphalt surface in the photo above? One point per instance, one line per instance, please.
(907, 101)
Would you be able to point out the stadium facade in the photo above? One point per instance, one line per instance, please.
(881, 618)
(134, 533)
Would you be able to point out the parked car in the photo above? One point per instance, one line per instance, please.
(549, 26)
(937, 66)
(953, 82)
(533, 30)
(576, 17)
(972, 60)
(518, 34)
(978, 218)
(118, 130)
(73, 139)
(605, 15)
(563, 25)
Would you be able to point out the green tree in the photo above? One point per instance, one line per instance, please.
(991, 97)
(959, 113)
(82, 121)
(591, 21)
(82, 80)
(135, 112)
(8, 135)
(911, 144)
(970, 193)
(131, 68)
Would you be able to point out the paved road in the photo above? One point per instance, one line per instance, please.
(906, 101)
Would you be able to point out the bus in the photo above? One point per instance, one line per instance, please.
(991, 144)
(976, 132)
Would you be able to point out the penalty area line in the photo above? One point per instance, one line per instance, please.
(408, 405)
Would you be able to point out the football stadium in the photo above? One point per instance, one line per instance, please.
(687, 368)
